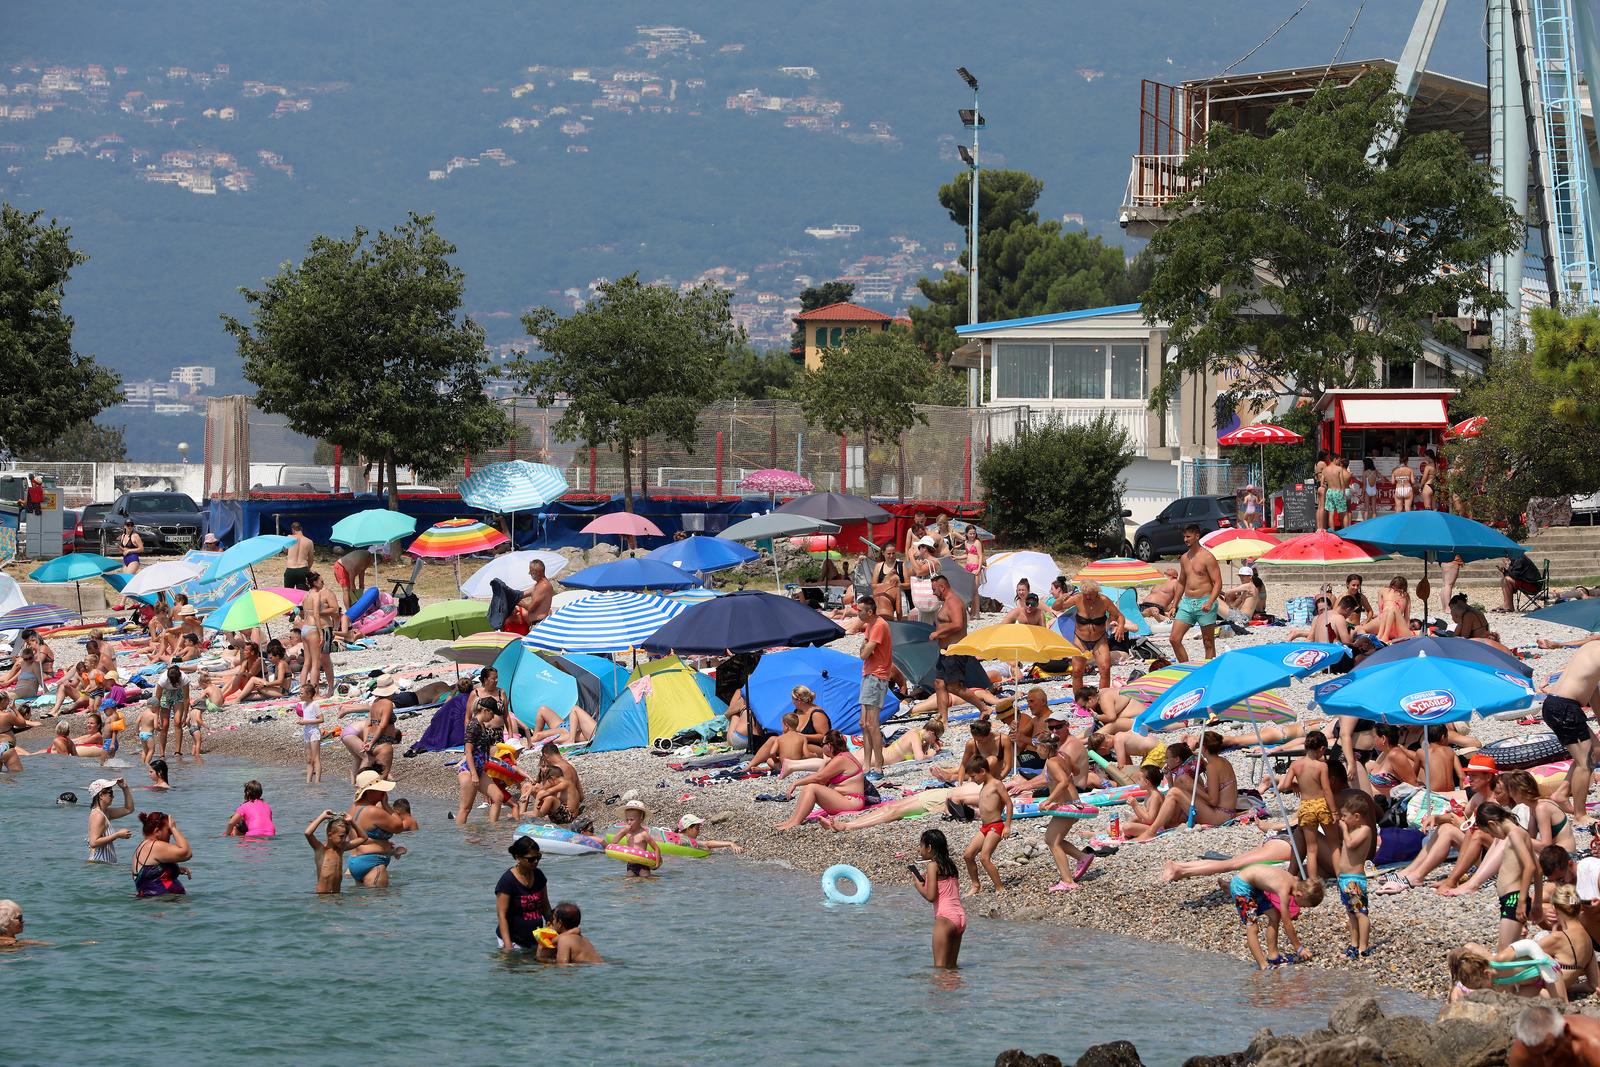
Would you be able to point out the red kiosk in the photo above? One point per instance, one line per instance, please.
(1376, 427)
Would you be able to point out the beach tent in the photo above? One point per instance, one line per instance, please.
(663, 697)
(599, 680)
(530, 681)
(834, 676)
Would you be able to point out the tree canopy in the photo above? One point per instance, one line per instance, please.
(84, 442)
(1025, 266)
(362, 345)
(1566, 362)
(757, 375)
(638, 360)
(1352, 257)
(1058, 486)
(46, 388)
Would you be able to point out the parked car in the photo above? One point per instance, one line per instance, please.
(69, 527)
(84, 533)
(1163, 535)
(166, 522)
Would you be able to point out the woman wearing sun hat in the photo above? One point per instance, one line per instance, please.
(102, 838)
(378, 822)
(382, 734)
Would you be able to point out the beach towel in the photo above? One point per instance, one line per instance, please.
(446, 729)
(502, 601)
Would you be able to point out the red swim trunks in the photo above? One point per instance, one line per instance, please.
(996, 828)
(340, 576)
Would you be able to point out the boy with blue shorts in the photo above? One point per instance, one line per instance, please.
(1263, 890)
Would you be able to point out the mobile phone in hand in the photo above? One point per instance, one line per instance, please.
(915, 873)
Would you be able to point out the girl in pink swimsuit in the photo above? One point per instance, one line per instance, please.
(940, 884)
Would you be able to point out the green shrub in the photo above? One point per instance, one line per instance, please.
(1057, 486)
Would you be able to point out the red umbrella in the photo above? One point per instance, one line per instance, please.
(1261, 434)
(1322, 548)
(1468, 427)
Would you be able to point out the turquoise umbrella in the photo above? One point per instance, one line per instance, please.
(375, 526)
(74, 567)
(246, 554)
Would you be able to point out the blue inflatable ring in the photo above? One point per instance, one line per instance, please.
(844, 872)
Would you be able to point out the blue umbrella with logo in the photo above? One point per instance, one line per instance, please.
(1425, 691)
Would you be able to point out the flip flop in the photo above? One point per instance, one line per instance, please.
(1398, 884)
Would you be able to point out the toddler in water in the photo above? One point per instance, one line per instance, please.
(940, 885)
(253, 818)
(147, 733)
(342, 837)
(689, 826)
(636, 834)
(309, 714)
(571, 946)
(1253, 890)
(1356, 816)
(994, 816)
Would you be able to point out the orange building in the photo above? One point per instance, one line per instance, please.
(827, 327)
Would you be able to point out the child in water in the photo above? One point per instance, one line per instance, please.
(158, 775)
(253, 818)
(1263, 891)
(1350, 868)
(571, 946)
(342, 837)
(147, 733)
(994, 817)
(689, 826)
(636, 834)
(940, 885)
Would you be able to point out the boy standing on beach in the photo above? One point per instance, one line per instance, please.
(1253, 890)
(1350, 867)
(994, 816)
(1308, 776)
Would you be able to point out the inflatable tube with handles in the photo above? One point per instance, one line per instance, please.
(364, 603)
(631, 854)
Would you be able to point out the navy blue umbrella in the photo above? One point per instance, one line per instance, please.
(743, 622)
(1456, 648)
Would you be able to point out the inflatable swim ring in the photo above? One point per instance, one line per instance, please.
(1117, 794)
(546, 936)
(860, 886)
(559, 841)
(502, 771)
(1520, 753)
(670, 842)
(630, 854)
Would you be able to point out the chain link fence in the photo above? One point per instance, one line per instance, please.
(934, 460)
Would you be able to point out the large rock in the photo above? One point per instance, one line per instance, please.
(1015, 1057)
(1341, 1050)
(1111, 1054)
(1355, 1015)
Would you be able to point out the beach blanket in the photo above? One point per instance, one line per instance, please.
(446, 730)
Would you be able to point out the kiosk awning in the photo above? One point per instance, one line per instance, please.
(1370, 413)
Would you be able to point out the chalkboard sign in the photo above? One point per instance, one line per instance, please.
(1300, 508)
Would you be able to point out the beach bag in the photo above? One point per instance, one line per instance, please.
(923, 598)
(1301, 610)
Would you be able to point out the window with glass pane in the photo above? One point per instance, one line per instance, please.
(1127, 372)
(1022, 372)
(1080, 372)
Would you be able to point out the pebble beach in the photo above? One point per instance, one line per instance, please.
(1122, 893)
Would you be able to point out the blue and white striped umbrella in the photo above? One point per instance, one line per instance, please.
(604, 622)
(515, 486)
(693, 596)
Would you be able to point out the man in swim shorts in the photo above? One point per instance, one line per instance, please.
(1336, 497)
(951, 671)
(1563, 713)
(297, 565)
(1201, 581)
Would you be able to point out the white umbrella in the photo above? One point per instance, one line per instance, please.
(512, 569)
(159, 577)
(1003, 569)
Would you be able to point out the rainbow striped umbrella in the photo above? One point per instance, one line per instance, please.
(1235, 544)
(250, 608)
(480, 649)
(1120, 572)
(1267, 708)
(456, 537)
(36, 616)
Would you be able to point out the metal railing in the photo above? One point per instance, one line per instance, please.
(1153, 181)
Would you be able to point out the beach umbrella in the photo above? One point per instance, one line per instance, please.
(73, 567)
(962, 581)
(634, 574)
(694, 595)
(1232, 544)
(479, 649)
(834, 676)
(702, 555)
(1015, 642)
(777, 524)
(1120, 572)
(1424, 691)
(835, 507)
(1582, 614)
(1457, 648)
(244, 555)
(773, 482)
(456, 537)
(1434, 535)
(622, 524)
(1467, 427)
(913, 652)
(374, 526)
(568, 596)
(516, 485)
(746, 621)
(159, 577)
(1268, 704)
(293, 596)
(1321, 549)
(36, 616)
(1261, 435)
(446, 621)
(254, 607)
(603, 622)
(1003, 570)
(512, 569)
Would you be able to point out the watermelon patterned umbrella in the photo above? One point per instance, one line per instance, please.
(1234, 543)
(1320, 549)
(1467, 427)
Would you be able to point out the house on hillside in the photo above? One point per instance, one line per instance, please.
(827, 327)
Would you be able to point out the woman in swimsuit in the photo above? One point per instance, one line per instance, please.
(26, 675)
(381, 734)
(484, 731)
(75, 687)
(814, 722)
(156, 860)
(1430, 468)
(374, 818)
(1404, 479)
(944, 538)
(102, 838)
(1569, 945)
(915, 744)
(1071, 863)
(1369, 487)
(249, 667)
(131, 544)
(840, 785)
(488, 688)
(940, 885)
(275, 685)
(12, 721)
(1392, 620)
(972, 546)
(1095, 611)
(1548, 824)
(888, 575)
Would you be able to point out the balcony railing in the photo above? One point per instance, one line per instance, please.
(1153, 181)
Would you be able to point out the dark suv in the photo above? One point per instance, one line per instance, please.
(169, 522)
(1163, 535)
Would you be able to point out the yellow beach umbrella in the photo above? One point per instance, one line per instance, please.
(1016, 642)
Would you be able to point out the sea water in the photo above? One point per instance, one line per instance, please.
(716, 960)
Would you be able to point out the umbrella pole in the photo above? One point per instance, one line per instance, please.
(1282, 812)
